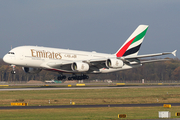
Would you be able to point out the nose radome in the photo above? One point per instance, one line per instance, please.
(5, 59)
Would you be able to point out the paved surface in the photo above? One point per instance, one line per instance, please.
(89, 106)
(83, 87)
(59, 88)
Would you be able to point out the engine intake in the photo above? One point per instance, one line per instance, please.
(114, 63)
(80, 66)
(31, 70)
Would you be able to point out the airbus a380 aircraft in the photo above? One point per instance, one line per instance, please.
(33, 58)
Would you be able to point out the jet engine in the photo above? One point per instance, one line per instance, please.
(114, 63)
(31, 70)
(80, 66)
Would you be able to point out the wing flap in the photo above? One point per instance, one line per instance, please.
(158, 60)
(148, 61)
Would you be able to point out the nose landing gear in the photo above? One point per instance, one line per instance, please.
(13, 69)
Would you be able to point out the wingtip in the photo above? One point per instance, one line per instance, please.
(174, 52)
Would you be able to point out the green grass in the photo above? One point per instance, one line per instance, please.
(90, 96)
(93, 96)
(110, 113)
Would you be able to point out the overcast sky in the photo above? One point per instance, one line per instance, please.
(89, 25)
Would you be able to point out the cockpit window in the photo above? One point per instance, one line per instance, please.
(11, 53)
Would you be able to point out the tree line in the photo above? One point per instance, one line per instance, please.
(167, 70)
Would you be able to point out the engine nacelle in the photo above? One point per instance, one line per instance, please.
(80, 66)
(31, 70)
(114, 63)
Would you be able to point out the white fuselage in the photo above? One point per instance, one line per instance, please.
(41, 57)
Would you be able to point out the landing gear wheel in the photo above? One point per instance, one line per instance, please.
(13, 72)
(87, 77)
(81, 77)
(61, 77)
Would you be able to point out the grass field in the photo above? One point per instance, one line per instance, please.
(93, 96)
(110, 113)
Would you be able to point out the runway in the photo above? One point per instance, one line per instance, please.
(59, 88)
(90, 106)
(83, 87)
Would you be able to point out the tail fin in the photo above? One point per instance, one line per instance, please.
(133, 43)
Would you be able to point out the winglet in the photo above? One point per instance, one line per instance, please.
(174, 52)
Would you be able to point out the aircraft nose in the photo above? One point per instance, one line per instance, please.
(5, 59)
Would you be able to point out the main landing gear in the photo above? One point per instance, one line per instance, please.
(13, 69)
(73, 77)
(76, 77)
(61, 77)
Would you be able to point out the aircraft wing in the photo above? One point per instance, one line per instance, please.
(148, 55)
(63, 66)
(96, 64)
(66, 66)
(132, 60)
(58, 64)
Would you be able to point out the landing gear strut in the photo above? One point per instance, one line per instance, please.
(13, 69)
(76, 77)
